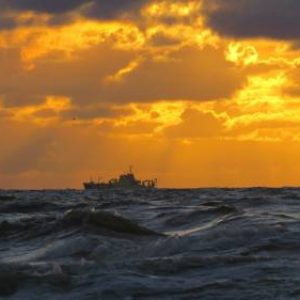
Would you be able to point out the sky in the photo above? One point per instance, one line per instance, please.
(196, 93)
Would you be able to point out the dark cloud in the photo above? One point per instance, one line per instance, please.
(79, 79)
(88, 113)
(59, 9)
(109, 9)
(188, 74)
(47, 6)
(7, 22)
(161, 39)
(276, 19)
(196, 124)
(293, 89)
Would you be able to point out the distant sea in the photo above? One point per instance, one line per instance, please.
(150, 244)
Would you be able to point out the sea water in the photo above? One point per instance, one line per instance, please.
(150, 244)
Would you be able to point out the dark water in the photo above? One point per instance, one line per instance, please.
(160, 244)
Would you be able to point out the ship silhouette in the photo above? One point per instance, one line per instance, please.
(126, 180)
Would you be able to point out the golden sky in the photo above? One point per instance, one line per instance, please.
(195, 93)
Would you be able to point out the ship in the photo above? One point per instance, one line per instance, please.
(126, 180)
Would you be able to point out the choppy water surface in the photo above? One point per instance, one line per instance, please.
(158, 244)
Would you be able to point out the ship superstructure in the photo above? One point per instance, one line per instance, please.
(126, 180)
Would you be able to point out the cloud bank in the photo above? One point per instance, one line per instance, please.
(276, 19)
(59, 10)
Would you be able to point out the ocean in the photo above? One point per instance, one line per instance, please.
(150, 244)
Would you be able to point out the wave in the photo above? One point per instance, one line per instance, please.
(87, 219)
(27, 228)
(6, 198)
(182, 263)
(28, 206)
(105, 220)
(12, 277)
(183, 218)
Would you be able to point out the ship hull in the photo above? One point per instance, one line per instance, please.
(89, 186)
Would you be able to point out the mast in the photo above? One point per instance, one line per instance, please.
(130, 169)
